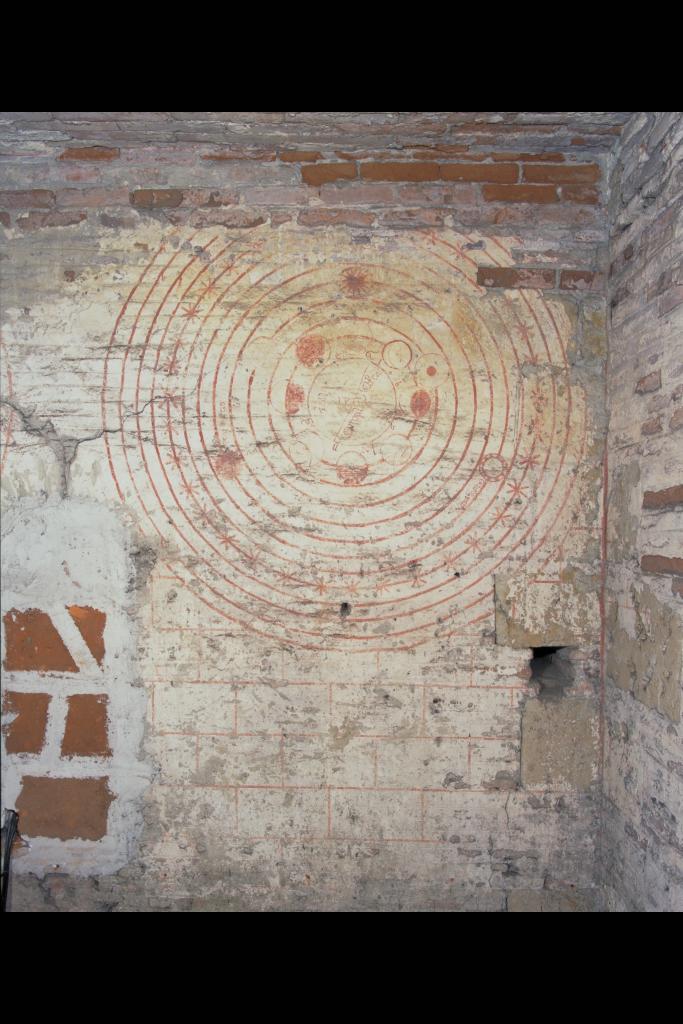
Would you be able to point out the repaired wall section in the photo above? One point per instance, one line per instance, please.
(73, 709)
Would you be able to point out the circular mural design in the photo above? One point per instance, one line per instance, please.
(305, 431)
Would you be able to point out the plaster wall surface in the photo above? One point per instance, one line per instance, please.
(331, 399)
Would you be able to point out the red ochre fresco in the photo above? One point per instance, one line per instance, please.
(350, 489)
(64, 808)
(90, 623)
(33, 644)
(25, 734)
(294, 398)
(310, 350)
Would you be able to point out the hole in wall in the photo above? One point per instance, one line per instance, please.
(344, 609)
(551, 671)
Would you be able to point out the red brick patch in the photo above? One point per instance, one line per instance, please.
(505, 173)
(242, 153)
(90, 623)
(515, 277)
(520, 193)
(86, 731)
(409, 171)
(91, 153)
(64, 808)
(34, 220)
(669, 498)
(28, 199)
(300, 156)
(661, 566)
(25, 734)
(321, 174)
(156, 198)
(33, 644)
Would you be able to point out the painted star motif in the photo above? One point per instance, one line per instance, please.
(355, 282)
(190, 312)
(170, 367)
(518, 490)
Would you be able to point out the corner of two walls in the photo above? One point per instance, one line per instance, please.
(642, 841)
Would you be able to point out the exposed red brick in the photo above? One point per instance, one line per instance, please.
(34, 220)
(534, 158)
(4, 219)
(360, 154)
(28, 199)
(569, 174)
(242, 153)
(90, 623)
(300, 156)
(676, 420)
(404, 171)
(91, 153)
(322, 174)
(652, 426)
(156, 198)
(581, 194)
(652, 382)
(64, 808)
(582, 281)
(26, 733)
(354, 218)
(515, 277)
(479, 172)
(661, 566)
(32, 644)
(520, 193)
(668, 498)
(70, 275)
(86, 730)
(677, 588)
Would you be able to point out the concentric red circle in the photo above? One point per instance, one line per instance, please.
(305, 431)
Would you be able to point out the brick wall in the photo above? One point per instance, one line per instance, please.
(339, 380)
(643, 841)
